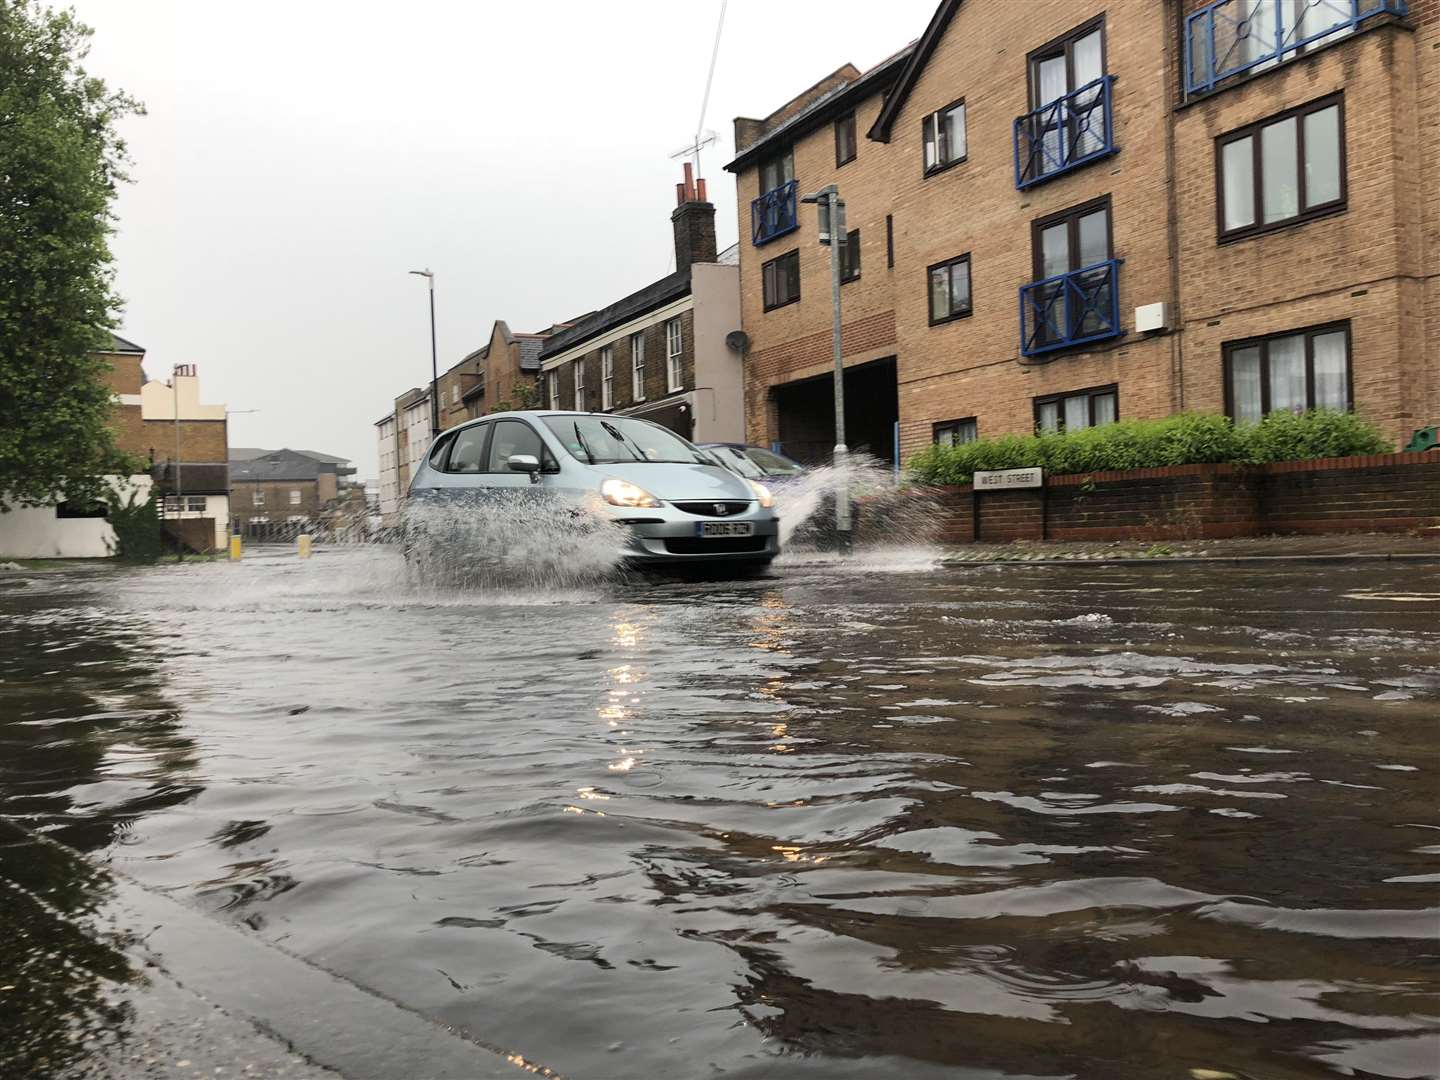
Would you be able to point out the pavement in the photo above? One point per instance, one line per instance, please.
(1401, 547)
(103, 979)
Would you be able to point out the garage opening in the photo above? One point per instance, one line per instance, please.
(872, 406)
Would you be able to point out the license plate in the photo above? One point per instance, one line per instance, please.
(724, 528)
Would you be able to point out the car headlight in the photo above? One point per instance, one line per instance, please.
(762, 493)
(623, 493)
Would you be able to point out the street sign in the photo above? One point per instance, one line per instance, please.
(1007, 479)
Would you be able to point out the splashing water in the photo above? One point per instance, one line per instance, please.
(524, 539)
(897, 525)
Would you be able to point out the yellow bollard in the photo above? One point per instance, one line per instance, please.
(234, 549)
(303, 546)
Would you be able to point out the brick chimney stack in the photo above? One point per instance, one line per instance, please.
(694, 222)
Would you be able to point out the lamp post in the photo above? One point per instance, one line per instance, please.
(429, 276)
(831, 213)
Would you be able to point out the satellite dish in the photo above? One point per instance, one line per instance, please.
(737, 341)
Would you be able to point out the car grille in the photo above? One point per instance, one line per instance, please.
(707, 509)
(720, 545)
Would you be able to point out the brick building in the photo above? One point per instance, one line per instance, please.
(661, 353)
(187, 443)
(1098, 210)
(276, 492)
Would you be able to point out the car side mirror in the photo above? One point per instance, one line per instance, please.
(526, 463)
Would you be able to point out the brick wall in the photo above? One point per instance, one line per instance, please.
(200, 440)
(277, 505)
(1385, 493)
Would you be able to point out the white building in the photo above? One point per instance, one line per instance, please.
(389, 482)
(402, 439)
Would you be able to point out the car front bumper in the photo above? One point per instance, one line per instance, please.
(668, 535)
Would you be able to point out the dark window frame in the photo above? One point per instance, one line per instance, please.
(490, 444)
(889, 242)
(767, 162)
(1072, 215)
(930, 118)
(767, 293)
(1252, 131)
(970, 278)
(845, 126)
(441, 450)
(1310, 333)
(97, 510)
(1064, 44)
(850, 258)
(1090, 392)
(943, 425)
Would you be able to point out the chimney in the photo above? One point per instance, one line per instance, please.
(694, 222)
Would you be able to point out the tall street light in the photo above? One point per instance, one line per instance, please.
(832, 232)
(429, 276)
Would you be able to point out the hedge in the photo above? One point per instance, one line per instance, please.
(1186, 439)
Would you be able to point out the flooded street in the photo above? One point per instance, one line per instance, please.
(881, 820)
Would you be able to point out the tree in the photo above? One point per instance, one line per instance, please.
(527, 396)
(60, 161)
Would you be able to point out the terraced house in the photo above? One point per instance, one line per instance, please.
(1066, 212)
(668, 352)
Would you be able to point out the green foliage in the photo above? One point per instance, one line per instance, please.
(1320, 434)
(527, 396)
(60, 159)
(1187, 439)
(137, 526)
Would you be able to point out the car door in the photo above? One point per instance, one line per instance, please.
(508, 438)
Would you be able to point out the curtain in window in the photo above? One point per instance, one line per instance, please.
(1088, 118)
(939, 292)
(1237, 163)
(1049, 416)
(1077, 413)
(1104, 409)
(1287, 375)
(952, 126)
(1245, 399)
(1331, 371)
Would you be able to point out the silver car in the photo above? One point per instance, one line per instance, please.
(676, 504)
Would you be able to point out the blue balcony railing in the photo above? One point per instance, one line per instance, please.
(1233, 37)
(1070, 309)
(773, 213)
(1065, 134)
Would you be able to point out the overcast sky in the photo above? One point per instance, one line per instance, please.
(299, 157)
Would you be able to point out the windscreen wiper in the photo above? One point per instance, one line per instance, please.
(583, 445)
(615, 434)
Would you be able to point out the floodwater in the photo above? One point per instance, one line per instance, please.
(855, 819)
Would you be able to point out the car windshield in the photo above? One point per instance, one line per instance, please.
(609, 440)
(773, 464)
(736, 461)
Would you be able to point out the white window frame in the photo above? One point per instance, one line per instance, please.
(674, 351)
(607, 378)
(579, 369)
(294, 496)
(258, 498)
(637, 366)
(555, 389)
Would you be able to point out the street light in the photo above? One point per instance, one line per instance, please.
(832, 232)
(429, 276)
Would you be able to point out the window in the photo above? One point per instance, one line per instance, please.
(258, 499)
(437, 455)
(1078, 409)
(555, 389)
(781, 279)
(607, 378)
(850, 256)
(637, 367)
(469, 452)
(1074, 297)
(955, 432)
(454, 395)
(674, 350)
(944, 137)
(1292, 372)
(1059, 70)
(74, 510)
(512, 437)
(1282, 170)
(949, 290)
(177, 504)
(845, 139)
(777, 171)
(294, 497)
(889, 242)
(579, 370)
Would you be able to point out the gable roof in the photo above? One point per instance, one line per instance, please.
(924, 48)
(825, 107)
(119, 345)
(276, 465)
(656, 294)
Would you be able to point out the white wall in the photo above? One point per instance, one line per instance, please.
(157, 400)
(36, 533)
(217, 507)
(389, 471)
(720, 410)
